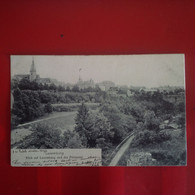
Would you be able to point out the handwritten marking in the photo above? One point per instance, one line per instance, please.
(55, 157)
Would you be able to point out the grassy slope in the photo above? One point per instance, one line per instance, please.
(64, 121)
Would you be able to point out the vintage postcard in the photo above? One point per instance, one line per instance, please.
(109, 110)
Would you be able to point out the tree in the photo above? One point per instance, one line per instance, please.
(71, 139)
(97, 88)
(75, 88)
(24, 84)
(144, 138)
(33, 107)
(40, 86)
(67, 88)
(180, 107)
(98, 127)
(48, 108)
(140, 126)
(92, 126)
(81, 119)
(46, 86)
(121, 124)
(45, 97)
(14, 83)
(53, 87)
(18, 106)
(151, 122)
(27, 105)
(14, 121)
(61, 88)
(34, 85)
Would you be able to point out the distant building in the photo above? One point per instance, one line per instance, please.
(113, 91)
(19, 77)
(33, 74)
(85, 84)
(152, 90)
(102, 87)
(130, 93)
(106, 85)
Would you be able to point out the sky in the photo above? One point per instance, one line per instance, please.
(131, 70)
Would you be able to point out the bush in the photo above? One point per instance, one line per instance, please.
(164, 135)
(43, 136)
(151, 122)
(170, 157)
(71, 139)
(146, 137)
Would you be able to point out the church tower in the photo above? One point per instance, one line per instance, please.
(32, 71)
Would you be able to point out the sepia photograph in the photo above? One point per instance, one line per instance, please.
(132, 107)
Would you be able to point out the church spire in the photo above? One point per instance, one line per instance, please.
(33, 71)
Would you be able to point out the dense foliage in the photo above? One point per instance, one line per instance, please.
(112, 116)
(27, 105)
(42, 136)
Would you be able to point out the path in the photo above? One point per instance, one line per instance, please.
(121, 151)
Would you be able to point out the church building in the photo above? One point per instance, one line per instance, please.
(32, 76)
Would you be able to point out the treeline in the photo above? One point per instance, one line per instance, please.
(156, 102)
(31, 104)
(26, 84)
(69, 97)
(173, 91)
(33, 100)
(106, 127)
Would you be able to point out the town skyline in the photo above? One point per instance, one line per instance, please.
(131, 70)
